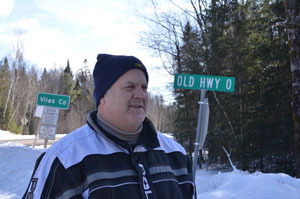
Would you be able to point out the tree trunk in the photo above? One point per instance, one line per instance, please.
(294, 46)
(8, 96)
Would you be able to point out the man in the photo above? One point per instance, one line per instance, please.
(118, 154)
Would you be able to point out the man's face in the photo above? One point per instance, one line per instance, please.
(124, 104)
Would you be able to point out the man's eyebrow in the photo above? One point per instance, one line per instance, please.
(130, 82)
(134, 83)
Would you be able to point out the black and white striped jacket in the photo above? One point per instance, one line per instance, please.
(89, 163)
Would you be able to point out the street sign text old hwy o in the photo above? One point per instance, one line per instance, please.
(53, 100)
(197, 82)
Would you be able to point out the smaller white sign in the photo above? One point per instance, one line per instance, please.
(47, 132)
(49, 122)
(50, 116)
(39, 111)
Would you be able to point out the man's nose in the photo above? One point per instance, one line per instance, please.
(140, 92)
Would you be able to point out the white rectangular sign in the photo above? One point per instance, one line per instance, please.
(50, 116)
(38, 111)
(47, 132)
(49, 122)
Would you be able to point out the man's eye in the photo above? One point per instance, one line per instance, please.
(144, 88)
(130, 87)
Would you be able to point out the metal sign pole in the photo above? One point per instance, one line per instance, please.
(199, 126)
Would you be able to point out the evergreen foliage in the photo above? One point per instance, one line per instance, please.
(4, 86)
(186, 100)
(239, 39)
(259, 110)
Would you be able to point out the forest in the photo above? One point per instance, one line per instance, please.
(20, 85)
(245, 39)
(257, 42)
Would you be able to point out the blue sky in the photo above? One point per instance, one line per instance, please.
(53, 31)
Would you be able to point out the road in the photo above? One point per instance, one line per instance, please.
(29, 142)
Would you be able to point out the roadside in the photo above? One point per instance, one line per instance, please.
(6, 136)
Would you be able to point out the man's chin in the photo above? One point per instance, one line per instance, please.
(137, 118)
(134, 122)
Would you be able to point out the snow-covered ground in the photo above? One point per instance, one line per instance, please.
(17, 162)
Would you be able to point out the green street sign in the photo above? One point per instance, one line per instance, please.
(197, 82)
(53, 100)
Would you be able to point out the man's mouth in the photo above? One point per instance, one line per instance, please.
(135, 106)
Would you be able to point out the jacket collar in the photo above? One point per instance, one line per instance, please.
(147, 138)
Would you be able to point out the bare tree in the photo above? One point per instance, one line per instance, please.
(160, 114)
(164, 36)
(30, 103)
(17, 60)
(166, 33)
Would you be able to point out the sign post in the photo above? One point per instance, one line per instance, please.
(204, 123)
(51, 104)
(203, 83)
(199, 129)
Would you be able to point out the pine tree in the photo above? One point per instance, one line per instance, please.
(186, 111)
(292, 10)
(87, 85)
(4, 86)
(67, 82)
(66, 86)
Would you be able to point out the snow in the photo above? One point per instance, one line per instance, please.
(6, 135)
(17, 162)
(239, 184)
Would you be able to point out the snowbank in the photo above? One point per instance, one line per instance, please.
(6, 135)
(242, 185)
(17, 162)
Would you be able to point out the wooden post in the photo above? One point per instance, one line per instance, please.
(37, 132)
(45, 143)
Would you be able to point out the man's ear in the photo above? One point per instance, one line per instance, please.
(102, 100)
(101, 103)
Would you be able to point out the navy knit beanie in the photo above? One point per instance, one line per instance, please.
(109, 68)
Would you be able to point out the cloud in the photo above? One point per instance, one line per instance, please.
(47, 47)
(6, 7)
(100, 26)
(88, 13)
(24, 24)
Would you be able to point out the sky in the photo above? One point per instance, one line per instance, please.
(54, 31)
(17, 162)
